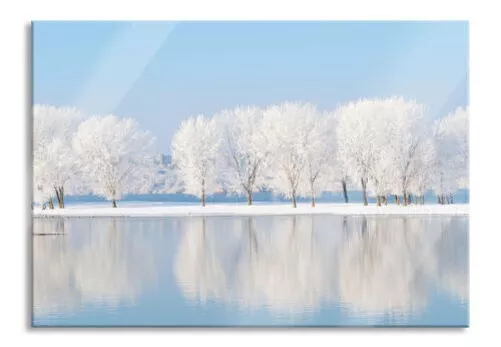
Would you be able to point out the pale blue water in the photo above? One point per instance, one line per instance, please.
(462, 196)
(251, 271)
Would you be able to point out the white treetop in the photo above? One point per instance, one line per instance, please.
(244, 150)
(194, 150)
(386, 146)
(319, 155)
(405, 143)
(355, 138)
(291, 128)
(54, 163)
(452, 145)
(426, 169)
(115, 156)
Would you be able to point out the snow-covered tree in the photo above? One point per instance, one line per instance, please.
(291, 129)
(452, 145)
(116, 156)
(319, 154)
(354, 134)
(406, 138)
(383, 144)
(55, 167)
(337, 173)
(195, 147)
(244, 150)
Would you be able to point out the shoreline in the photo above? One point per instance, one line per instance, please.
(227, 210)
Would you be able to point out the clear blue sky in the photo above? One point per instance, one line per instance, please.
(162, 72)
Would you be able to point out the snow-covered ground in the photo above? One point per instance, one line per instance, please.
(131, 209)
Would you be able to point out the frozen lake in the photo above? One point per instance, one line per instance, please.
(305, 270)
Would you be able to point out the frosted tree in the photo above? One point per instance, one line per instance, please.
(455, 127)
(319, 150)
(338, 169)
(452, 146)
(55, 167)
(195, 147)
(116, 156)
(379, 176)
(342, 177)
(406, 125)
(291, 129)
(244, 150)
(383, 124)
(354, 135)
(423, 178)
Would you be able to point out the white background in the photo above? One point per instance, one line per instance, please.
(485, 229)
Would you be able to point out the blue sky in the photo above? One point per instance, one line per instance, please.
(162, 72)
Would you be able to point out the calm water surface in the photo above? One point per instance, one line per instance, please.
(251, 271)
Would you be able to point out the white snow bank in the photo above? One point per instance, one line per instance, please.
(152, 210)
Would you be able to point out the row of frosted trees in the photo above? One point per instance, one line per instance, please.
(387, 148)
(103, 155)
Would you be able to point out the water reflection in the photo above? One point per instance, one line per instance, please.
(383, 268)
(370, 265)
(451, 267)
(306, 270)
(104, 262)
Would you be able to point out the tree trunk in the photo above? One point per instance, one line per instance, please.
(452, 199)
(203, 192)
(61, 195)
(405, 196)
(364, 191)
(114, 203)
(345, 191)
(378, 199)
(249, 198)
(294, 204)
(312, 195)
(409, 199)
(397, 201)
(51, 203)
(58, 198)
(385, 200)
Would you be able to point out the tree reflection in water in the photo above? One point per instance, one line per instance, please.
(293, 264)
(96, 261)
